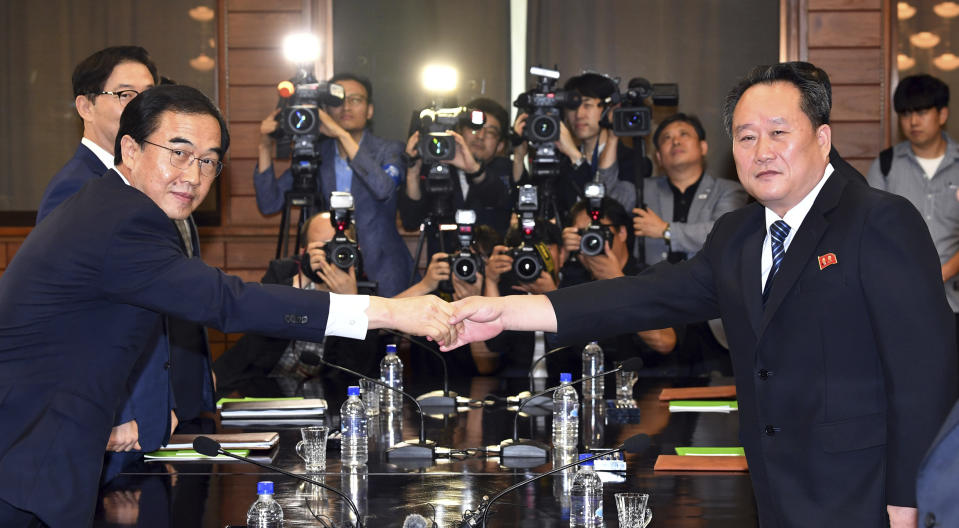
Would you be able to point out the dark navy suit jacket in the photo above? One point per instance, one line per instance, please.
(939, 477)
(148, 395)
(83, 290)
(845, 375)
(377, 171)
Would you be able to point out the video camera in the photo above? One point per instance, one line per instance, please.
(530, 257)
(299, 124)
(543, 106)
(594, 237)
(437, 145)
(633, 117)
(464, 262)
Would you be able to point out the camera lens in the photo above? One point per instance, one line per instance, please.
(527, 268)
(302, 120)
(344, 256)
(543, 128)
(465, 268)
(634, 120)
(591, 244)
(439, 147)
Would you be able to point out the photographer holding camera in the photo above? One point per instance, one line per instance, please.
(354, 161)
(603, 216)
(587, 150)
(479, 181)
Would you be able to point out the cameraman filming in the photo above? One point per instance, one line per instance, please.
(586, 149)
(481, 176)
(354, 161)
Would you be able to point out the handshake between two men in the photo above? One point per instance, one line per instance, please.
(465, 321)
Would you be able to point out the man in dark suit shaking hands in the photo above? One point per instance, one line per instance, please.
(101, 272)
(842, 342)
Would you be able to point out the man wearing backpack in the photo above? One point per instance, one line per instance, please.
(925, 169)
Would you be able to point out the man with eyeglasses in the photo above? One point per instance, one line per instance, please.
(354, 161)
(480, 178)
(103, 84)
(101, 273)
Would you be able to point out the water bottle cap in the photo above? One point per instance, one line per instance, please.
(390, 349)
(586, 455)
(352, 391)
(264, 488)
(565, 377)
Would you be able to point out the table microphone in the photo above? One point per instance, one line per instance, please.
(473, 518)
(207, 446)
(421, 448)
(540, 400)
(526, 448)
(444, 398)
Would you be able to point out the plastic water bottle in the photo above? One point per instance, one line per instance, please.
(391, 373)
(592, 365)
(265, 512)
(586, 497)
(565, 414)
(354, 449)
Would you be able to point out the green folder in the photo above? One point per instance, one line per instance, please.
(713, 451)
(704, 405)
(231, 400)
(189, 454)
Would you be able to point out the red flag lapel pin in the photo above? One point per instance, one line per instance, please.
(827, 260)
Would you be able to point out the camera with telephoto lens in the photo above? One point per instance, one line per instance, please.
(543, 106)
(464, 262)
(299, 124)
(341, 251)
(436, 143)
(528, 259)
(595, 236)
(633, 116)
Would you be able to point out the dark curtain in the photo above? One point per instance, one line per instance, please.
(703, 45)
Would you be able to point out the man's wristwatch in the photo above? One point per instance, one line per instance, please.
(667, 235)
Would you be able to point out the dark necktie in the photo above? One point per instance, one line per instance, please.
(778, 232)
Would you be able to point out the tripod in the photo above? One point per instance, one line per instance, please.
(309, 202)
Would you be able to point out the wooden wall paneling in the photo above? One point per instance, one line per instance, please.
(849, 65)
(844, 29)
(246, 213)
(3, 256)
(214, 252)
(837, 5)
(861, 164)
(248, 254)
(252, 103)
(856, 103)
(857, 140)
(262, 30)
(241, 177)
(264, 5)
(257, 67)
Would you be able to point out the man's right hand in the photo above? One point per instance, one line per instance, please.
(565, 143)
(438, 270)
(571, 239)
(268, 126)
(498, 264)
(124, 437)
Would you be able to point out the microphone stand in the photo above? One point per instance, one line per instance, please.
(527, 448)
(473, 518)
(221, 451)
(529, 399)
(417, 449)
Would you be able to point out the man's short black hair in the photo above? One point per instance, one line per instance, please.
(347, 76)
(612, 211)
(591, 85)
(683, 118)
(141, 117)
(491, 107)
(814, 91)
(920, 92)
(90, 76)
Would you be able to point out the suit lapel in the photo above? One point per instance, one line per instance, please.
(750, 257)
(665, 197)
(803, 246)
(696, 205)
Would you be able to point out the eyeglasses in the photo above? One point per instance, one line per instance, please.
(183, 160)
(124, 96)
(354, 100)
(487, 131)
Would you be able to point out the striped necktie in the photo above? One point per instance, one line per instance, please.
(778, 232)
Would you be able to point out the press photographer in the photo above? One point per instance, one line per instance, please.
(352, 160)
(472, 175)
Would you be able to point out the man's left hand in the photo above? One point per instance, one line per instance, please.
(648, 224)
(337, 280)
(902, 516)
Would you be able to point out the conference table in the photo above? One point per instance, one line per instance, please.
(215, 494)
